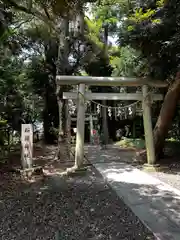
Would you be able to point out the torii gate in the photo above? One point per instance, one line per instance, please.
(146, 97)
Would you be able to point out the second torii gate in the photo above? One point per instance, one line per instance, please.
(146, 97)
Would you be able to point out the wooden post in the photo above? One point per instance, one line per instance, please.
(91, 128)
(67, 130)
(146, 105)
(79, 155)
(105, 123)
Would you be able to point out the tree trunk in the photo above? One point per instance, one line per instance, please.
(48, 123)
(165, 119)
(166, 115)
(60, 131)
(105, 123)
(104, 102)
(62, 60)
(67, 130)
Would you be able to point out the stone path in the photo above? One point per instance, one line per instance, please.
(155, 203)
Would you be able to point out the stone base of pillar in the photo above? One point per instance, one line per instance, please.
(153, 167)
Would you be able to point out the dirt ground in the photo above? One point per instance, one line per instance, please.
(52, 207)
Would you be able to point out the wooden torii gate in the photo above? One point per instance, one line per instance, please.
(146, 97)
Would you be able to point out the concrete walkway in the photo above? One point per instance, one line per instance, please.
(154, 202)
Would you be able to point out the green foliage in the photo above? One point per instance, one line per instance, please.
(155, 31)
(140, 16)
(3, 135)
(5, 20)
(94, 29)
(108, 12)
(129, 63)
(160, 3)
(15, 91)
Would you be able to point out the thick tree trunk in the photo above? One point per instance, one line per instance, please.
(104, 110)
(165, 118)
(60, 131)
(166, 115)
(105, 123)
(48, 120)
(67, 130)
(62, 60)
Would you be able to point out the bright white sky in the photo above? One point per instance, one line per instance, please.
(113, 40)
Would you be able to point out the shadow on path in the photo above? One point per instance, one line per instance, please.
(154, 202)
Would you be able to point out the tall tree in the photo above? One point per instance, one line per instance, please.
(154, 29)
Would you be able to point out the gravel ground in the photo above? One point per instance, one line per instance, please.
(80, 207)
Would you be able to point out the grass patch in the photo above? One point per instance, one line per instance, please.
(131, 143)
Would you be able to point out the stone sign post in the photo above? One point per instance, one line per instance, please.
(26, 145)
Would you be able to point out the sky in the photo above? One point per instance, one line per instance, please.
(113, 40)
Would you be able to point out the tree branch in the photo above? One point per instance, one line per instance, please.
(28, 10)
(46, 11)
